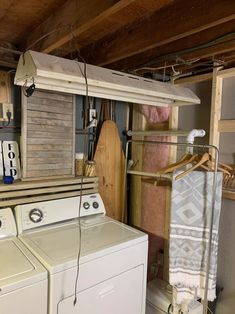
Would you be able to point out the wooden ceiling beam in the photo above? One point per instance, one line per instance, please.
(90, 21)
(8, 63)
(124, 14)
(179, 20)
(159, 55)
(74, 15)
(215, 52)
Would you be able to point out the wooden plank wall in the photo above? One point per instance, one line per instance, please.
(45, 190)
(48, 135)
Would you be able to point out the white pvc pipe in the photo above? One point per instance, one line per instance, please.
(195, 133)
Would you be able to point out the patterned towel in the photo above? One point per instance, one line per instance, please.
(191, 205)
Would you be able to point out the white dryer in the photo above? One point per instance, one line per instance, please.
(113, 262)
(23, 280)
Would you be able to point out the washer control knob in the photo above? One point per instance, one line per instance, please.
(86, 205)
(36, 215)
(95, 205)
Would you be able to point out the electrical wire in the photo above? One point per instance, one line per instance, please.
(85, 149)
(45, 36)
(188, 50)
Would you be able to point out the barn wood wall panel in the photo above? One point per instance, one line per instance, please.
(48, 135)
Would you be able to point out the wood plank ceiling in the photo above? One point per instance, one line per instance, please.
(141, 36)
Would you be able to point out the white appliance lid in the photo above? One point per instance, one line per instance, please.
(101, 235)
(7, 223)
(13, 261)
(18, 267)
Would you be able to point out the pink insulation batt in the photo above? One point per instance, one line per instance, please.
(154, 198)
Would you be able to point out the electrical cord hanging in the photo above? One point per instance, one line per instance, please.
(85, 149)
(85, 141)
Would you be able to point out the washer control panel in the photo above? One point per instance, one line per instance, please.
(34, 215)
(7, 223)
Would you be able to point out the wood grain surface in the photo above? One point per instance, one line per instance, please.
(48, 133)
(110, 160)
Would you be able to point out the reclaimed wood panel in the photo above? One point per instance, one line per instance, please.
(31, 192)
(47, 154)
(54, 108)
(49, 128)
(51, 122)
(49, 147)
(49, 115)
(43, 190)
(21, 185)
(48, 135)
(42, 198)
(51, 95)
(45, 134)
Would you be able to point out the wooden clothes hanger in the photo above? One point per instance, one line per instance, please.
(204, 158)
(185, 160)
(211, 166)
(204, 161)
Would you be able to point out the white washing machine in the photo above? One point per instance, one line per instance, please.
(159, 299)
(23, 280)
(113, 262)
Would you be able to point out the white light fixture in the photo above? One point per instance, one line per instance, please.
(64, 75)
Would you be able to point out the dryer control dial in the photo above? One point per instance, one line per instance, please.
(86, 205)
(95, 205)
(36, 215)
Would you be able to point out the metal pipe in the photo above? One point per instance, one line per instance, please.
(149, 174)
(195, 133)
(211, 220)
(158, 133)
(191, 135)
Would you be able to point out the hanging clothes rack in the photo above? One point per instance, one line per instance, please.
(189, 145)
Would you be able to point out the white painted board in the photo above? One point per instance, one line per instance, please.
(11, 159)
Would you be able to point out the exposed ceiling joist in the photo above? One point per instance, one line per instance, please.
(17, 18)
(122, 16)
(180, 20)
(88, 22)
(8, 63)
(122, 34)
(76, 15)
(187, 48)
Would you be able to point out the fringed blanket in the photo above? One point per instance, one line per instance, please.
(191, 206)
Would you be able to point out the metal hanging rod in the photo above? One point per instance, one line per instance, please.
(156, 175)
(191, 135)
